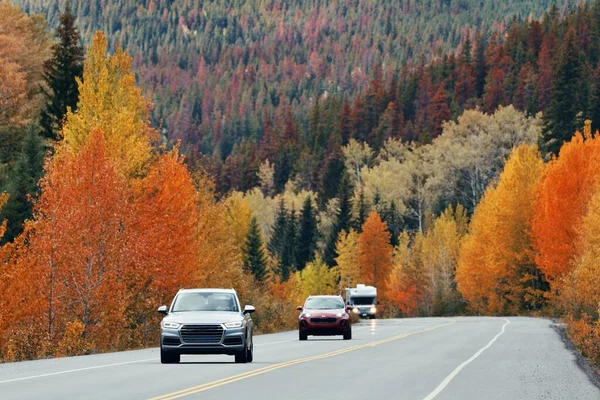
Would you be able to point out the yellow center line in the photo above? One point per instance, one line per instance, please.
(211, 385)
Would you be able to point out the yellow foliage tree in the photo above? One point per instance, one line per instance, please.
(348, 258)
(496, 269)
(238, 216)
(408, 283)
(109, 101)
(316, 278)
(439, 255)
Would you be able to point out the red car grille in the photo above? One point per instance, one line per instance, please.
(323, 320)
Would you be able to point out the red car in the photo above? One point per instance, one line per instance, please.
(324, 316)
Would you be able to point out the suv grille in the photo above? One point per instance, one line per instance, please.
(202, 334)
(323, 320)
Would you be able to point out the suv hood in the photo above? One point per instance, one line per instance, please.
(204, 317)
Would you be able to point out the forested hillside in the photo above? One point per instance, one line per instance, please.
(222, 71)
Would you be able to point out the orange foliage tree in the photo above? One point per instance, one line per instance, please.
(562, 201)
(375, 253)
(102, 252)
(496, 271)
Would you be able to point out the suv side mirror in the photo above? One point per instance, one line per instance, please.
(299, 308)
(378, 302)
(249, 309)
(349, 308)
(162, 310)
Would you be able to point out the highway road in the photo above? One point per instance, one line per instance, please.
(441, 358)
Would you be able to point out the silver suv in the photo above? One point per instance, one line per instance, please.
(206, 321)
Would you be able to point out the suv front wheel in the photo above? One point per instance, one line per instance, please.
(242, 356)
(169, 357)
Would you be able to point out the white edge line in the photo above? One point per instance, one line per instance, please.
(107, 365)
(76, 370)
(449, 378)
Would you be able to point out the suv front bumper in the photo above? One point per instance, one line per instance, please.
(232, 341)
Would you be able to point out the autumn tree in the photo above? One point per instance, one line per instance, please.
(562, 201)
(375, 253)
(61, 74)
(318, 279)
(238, 216)
(496, 270)
(255, 260)
(110, 101)
(439, 252)
(348, 258)
(24, 48)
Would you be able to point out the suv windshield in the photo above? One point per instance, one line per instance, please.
(323, 303)
(363, 301)
(205, 301)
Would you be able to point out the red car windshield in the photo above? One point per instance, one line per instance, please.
(323, 303)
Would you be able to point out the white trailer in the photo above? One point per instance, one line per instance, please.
(363, 299)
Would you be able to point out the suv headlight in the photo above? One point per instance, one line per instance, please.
(339, 315)
(170, 325)
(236, 324)
(373, 310)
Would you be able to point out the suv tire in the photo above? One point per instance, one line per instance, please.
(169, 357)
(242, 356)
(250, 353)
(302, 335)
(348, 335)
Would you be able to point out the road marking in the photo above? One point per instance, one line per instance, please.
(268, 344)
(116, 364)
(449, 378)
(76, 370)
(260, 371)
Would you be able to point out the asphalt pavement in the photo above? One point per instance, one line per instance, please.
(425, 358)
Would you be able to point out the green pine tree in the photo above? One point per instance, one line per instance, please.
(23, 185)
(393, 219)
(363, 211)
(275, 245)
(255, 260)
(560, 120)
(342, 222)
(61, 72)
(307, 235)
(288, 262)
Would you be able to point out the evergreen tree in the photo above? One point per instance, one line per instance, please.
(255, 260)
(595, 101)
(331, 178)
(307, 235)
(275, 246)
(342, 221)
(61, 72)
(288, 263)
(363, 210)
(560, 118)
(393, 220)
(23, 185)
